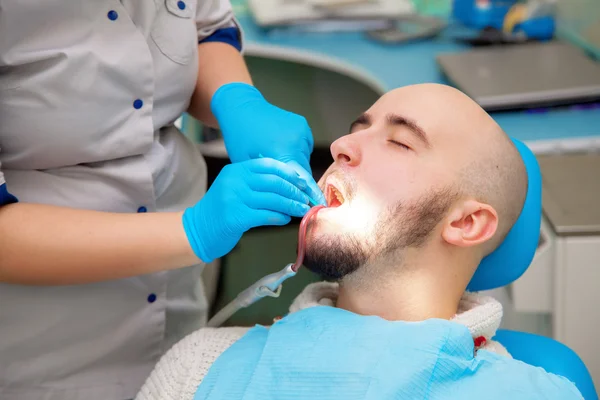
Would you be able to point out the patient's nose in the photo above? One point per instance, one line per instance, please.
(346, 150)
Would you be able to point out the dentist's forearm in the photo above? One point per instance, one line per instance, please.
(218, 64)
(47, 245)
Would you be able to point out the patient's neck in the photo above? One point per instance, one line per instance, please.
(412, 291)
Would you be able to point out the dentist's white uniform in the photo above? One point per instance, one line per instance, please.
(89, 91)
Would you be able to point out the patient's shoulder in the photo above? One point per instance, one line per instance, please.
(213, 336)
(181, 370)
(205, 345)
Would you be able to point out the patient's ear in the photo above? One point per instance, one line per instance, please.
(470, 224)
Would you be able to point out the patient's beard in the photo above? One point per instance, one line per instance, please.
(335, 257)
(399, 227)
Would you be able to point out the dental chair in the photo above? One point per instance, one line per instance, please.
(506, 264)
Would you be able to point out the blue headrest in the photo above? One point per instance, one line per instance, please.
(512, 258)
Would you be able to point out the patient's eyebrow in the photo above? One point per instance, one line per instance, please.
(395, 119)
(364, 119)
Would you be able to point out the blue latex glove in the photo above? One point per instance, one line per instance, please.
(251, 127)
(245, 195)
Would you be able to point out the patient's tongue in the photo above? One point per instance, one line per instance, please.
(334, 202)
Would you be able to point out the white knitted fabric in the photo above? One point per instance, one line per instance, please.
(181, 370)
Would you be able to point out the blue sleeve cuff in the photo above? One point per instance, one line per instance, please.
(5, 197)
(226, 35)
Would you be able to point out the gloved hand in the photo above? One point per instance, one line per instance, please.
(244, 195)
(251, 127)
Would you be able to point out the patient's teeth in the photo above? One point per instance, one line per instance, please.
(334, 194)
(338, 195)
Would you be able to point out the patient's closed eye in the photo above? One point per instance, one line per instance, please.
(399, 144)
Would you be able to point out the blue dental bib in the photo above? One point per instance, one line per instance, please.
(327, 353)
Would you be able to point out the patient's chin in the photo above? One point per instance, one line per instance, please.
(334, 258)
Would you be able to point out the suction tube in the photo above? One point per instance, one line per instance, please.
(302, 237)
(269, 285)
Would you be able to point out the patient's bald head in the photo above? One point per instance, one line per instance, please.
(483, 162)
(425, 169)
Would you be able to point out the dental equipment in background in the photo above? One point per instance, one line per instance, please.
(269, 285)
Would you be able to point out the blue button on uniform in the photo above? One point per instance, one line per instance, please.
(142, 209)
(137, 104)
(113, 15)
(151, 298)
(181, 5)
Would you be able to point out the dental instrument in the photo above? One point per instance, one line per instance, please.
(269, 285)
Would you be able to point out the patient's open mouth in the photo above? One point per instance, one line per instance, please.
(334, 196)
